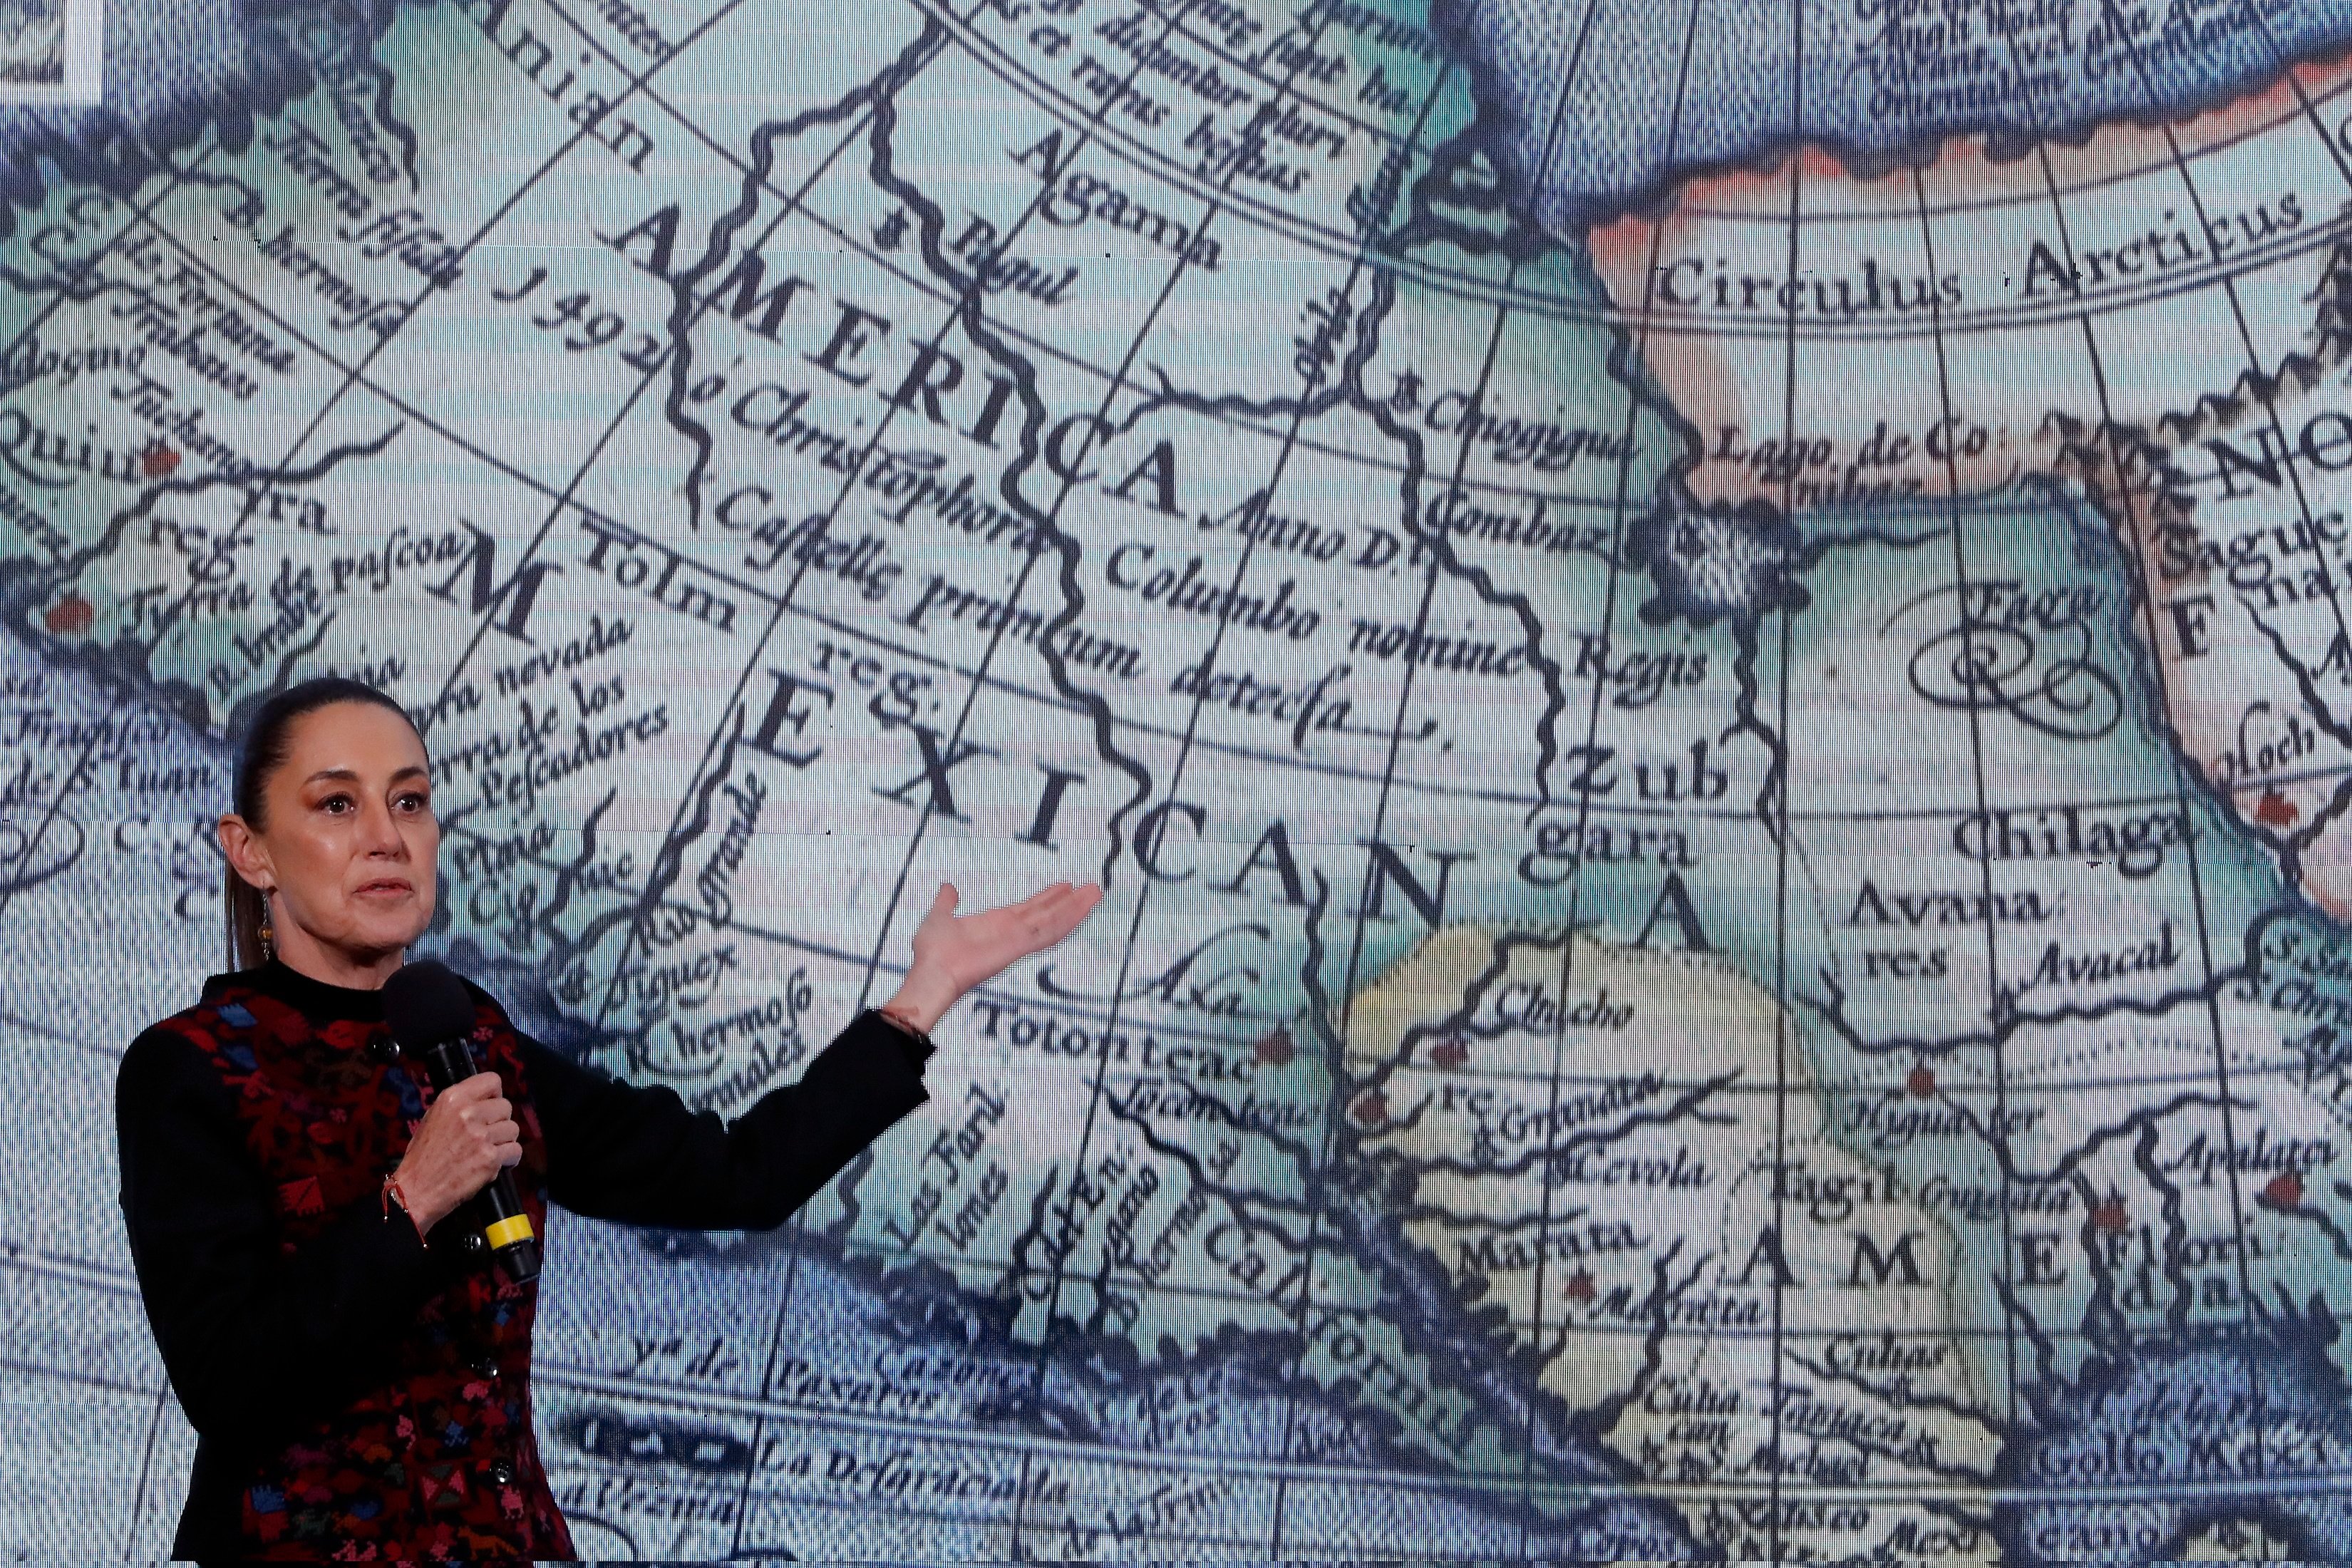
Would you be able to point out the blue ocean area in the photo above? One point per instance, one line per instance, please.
(2243, 1434)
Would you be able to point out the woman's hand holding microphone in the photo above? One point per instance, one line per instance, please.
(469, 1131)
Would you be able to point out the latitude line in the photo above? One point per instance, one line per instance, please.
(1495, 1484)
(1828, 1086)
(1238, 422)
(352, 376)
(923, 282)
(103, 1277)
(904, 69)
(785, 941)
(606, 523)
(613, 525)
(1667, 323)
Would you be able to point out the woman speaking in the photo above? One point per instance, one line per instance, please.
(298, 1196)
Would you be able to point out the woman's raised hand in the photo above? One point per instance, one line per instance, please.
(955, 952)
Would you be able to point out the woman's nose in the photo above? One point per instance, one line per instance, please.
(382, 836)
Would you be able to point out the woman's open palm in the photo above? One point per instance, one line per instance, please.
(964, 951)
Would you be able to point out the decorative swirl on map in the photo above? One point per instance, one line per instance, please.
(2031, 662)
(34, 849)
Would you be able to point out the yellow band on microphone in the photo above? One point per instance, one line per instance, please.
(514, 1227)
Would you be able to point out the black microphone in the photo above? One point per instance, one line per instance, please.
(431, 1018)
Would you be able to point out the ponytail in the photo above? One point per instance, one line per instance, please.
(246, 908)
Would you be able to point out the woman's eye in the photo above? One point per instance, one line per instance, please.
(336, 804)
(414, 803)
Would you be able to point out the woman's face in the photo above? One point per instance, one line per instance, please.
(347, 840)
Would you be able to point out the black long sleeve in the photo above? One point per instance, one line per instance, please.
(255, 1340)
(635, 1154)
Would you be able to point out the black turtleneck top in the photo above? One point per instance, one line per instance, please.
(258, 1336)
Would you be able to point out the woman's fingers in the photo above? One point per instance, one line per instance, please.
(980, 945)
(1057, 912)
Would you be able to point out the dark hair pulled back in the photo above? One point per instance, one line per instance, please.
(268, 736)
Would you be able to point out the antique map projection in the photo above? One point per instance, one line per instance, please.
(1702, 645)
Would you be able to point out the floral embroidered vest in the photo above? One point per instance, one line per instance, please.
(437, 1460)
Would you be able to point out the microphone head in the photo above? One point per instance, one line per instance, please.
(426, 1004)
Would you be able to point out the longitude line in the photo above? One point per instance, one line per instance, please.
(2196, 882)
(1999, 1134)
(967, 300)
(1387, 785)
(2137, 561)
(1184, 748)
(2265, 390)
(1780, 846)
(978, 674)
(1635, 367)
(783, 601)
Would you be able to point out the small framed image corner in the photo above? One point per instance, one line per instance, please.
(53, 51)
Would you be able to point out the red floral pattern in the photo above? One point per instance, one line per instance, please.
(438, 1461)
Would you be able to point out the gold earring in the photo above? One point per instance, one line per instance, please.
(269, 943)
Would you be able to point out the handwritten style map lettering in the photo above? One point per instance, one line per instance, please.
(1703, 644)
